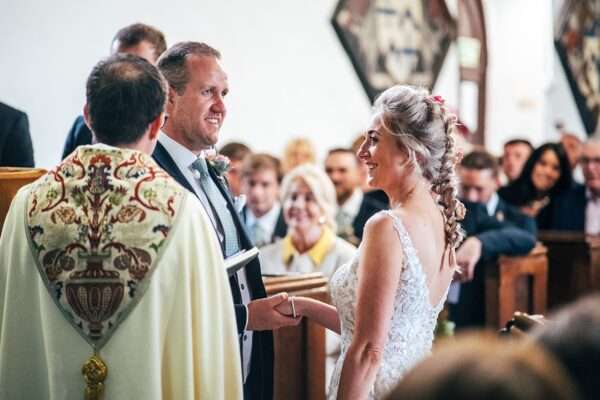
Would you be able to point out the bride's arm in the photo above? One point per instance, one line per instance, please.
(322, 313)
(379, 273)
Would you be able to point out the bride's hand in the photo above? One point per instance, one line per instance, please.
(285, 307)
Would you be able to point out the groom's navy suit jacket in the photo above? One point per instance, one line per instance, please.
(259, 384)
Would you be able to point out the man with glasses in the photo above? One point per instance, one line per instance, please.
(579, 208)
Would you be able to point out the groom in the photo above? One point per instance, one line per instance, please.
(196, 110)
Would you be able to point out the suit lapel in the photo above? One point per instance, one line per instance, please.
(165, 161)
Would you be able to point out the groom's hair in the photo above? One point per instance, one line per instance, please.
(172, 62)
(125, 93)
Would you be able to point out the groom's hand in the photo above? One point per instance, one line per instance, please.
(262, 314)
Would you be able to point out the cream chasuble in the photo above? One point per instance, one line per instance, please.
(129, 265)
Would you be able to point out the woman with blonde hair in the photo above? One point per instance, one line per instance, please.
(298, 151)
(388, 298)
(308, 199)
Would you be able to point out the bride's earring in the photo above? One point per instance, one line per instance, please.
(322, 220)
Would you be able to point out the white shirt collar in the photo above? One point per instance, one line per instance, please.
(352, 205)
(182, 156)
(267, 221)
(492, 204)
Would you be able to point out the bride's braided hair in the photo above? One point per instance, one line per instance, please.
(425, 128)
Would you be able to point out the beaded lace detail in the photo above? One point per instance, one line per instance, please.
(413, 322)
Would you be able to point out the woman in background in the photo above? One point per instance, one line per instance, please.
(546, 175)
(297, 152)
(308, 199)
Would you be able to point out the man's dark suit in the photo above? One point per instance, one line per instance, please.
(369, 206)
(16, 149)
(513, 236)
(510, 213)
(259, 384)
(79, 135)
(565, 212)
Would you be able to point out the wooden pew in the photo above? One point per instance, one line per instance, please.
(11, 180)
(300, 350)
(516, 283)
(574, 265)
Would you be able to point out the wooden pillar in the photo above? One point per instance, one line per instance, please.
(300, 350)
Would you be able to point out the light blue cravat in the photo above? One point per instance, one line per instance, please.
(217, 202)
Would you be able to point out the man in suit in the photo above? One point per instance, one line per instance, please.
(354, 207)
(196, 110)
(479, 175)
(578, 209)
(16, 149)
(493, 228)
(487, 238)
(516, 152)
(137, 39)
(261, 175)
(236, 152)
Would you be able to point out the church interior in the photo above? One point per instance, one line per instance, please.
(293, 178)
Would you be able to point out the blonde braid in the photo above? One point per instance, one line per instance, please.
(445, 184)
(422, 125)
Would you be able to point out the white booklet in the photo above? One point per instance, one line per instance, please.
(237, 261)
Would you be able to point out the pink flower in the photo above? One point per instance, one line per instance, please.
(437, 100)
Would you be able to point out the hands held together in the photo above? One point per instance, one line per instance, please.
(272, 313)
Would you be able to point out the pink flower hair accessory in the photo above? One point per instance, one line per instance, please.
(437, 100)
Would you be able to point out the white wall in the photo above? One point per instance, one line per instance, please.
(527, 88)
(288, 74)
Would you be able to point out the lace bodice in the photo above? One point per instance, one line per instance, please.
(413, 322)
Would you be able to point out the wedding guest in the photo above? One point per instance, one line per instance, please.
(375, 194)
(16, 149)
(546, 175)
(516, 153)
(236, 152)
(572, 335)
(578, 209)
(261, 175)
(479, 177)
(354, 208)
(137, 39)
(479, 366)
(311, 245)
(298, 151)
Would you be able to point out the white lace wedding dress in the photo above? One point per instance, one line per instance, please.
(413, 323)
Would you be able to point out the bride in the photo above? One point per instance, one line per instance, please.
(388, 298)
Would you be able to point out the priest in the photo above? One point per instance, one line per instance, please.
(112, 282)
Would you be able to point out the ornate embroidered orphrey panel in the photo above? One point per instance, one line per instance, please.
(577, 42)
(394, 41)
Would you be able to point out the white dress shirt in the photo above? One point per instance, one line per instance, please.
(492, 204)
(592, 214)
(266, 223)
(351, 207)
